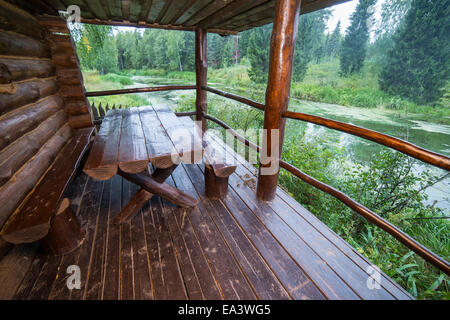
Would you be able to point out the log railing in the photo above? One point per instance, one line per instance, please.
(400, 145)
(246, 101)
(137, 90)
(403, 146)
(398, 234)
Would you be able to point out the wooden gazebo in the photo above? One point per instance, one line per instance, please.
(244, 238)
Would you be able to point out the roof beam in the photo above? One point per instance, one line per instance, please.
(151, 25)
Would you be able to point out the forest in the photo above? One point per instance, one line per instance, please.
(395, 62)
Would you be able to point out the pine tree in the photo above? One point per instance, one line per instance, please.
(244, 38)
(417, 67)
(334, 41)
(354, 46)
(258, 53)
(229, 51)
(310, 42)
(215, 50)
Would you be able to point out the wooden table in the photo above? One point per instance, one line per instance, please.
(131, 141)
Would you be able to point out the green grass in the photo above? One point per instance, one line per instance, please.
(93, 81)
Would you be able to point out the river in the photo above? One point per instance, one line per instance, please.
(432, 136)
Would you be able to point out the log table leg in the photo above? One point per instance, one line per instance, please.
(152, 185)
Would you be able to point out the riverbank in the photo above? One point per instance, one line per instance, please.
(321, 84)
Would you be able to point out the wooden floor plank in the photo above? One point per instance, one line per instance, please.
(44, 283)
(75, 192)
(14, 267)
(166, 277)
(93, 288)
(262, 278)
(32, 275)
(391, 286)
(88, 220)
(226, 270)
(126, 250)
(319, 272)
(111, 277)
(198, 276)
(354, 276)
(142, 282)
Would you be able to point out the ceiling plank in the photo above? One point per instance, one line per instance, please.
(157, 7)
(145, 11)
(234, 8)
(97, 9)
(150, 25)
(209, 10)
(163, 12)
(173, 10)
(241, 18)
(126, 10)
(253, 20)
(115, 8)
(191, 11)
(185, 8)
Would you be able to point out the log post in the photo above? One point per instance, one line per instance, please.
(201, 69)
(282, 45)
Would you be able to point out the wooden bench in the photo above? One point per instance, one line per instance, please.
(45, 215)
(218, 165)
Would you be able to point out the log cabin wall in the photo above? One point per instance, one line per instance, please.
(41, 102)
(70, 79)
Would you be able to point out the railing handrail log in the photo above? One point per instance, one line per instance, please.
(185, 114)
(228, 95)
(398, 234)
(403, 146)
(233, 132)
(137, 90)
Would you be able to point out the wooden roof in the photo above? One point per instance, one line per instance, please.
(221, 16)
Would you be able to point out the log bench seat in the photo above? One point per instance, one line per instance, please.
(218, 167)
(45, 215)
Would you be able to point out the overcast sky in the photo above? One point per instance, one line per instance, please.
(344, 11)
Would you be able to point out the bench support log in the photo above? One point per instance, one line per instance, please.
(65, 234)
(215, 187)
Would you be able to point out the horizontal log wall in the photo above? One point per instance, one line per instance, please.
(69, 77)
(33, 124)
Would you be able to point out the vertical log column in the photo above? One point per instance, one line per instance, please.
(201, 68)
(282, 45)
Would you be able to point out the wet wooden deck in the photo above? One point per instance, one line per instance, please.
(239, 248)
